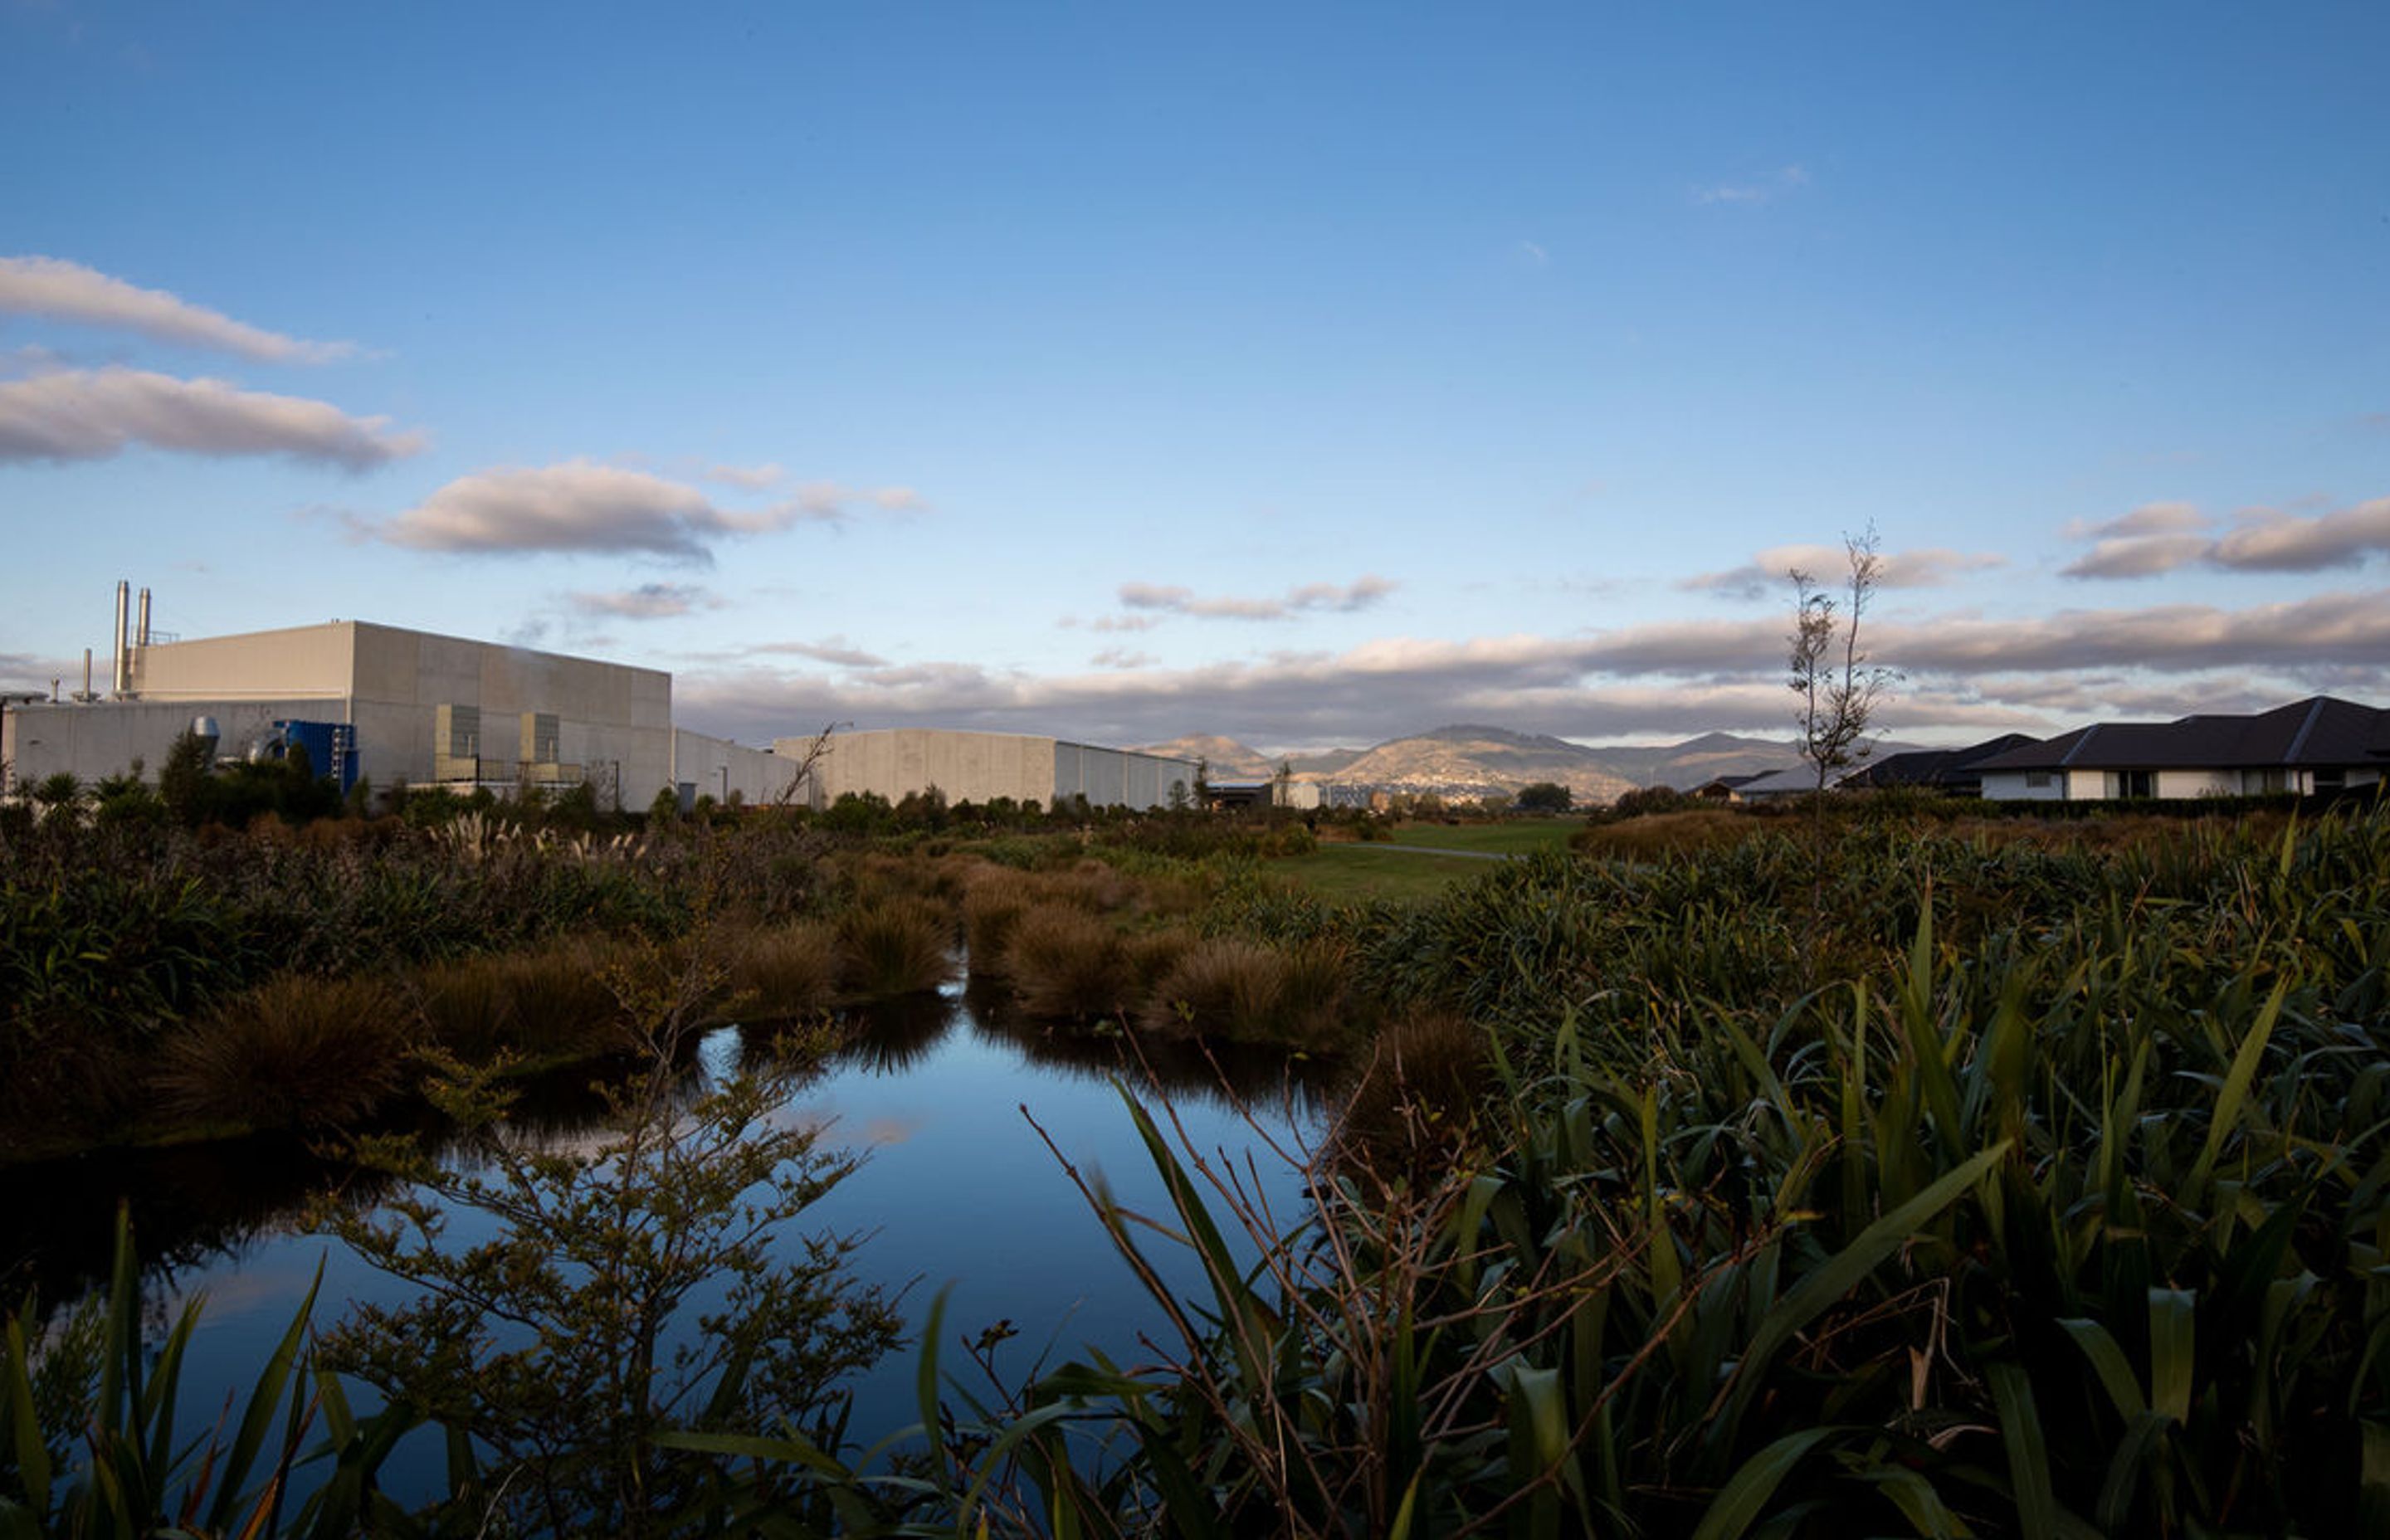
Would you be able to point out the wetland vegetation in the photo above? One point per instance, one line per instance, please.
(2007, 1178)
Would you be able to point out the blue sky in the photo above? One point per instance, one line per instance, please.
(1306, 375)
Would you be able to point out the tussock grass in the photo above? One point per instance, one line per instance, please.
(1095, 886)
(294, 1052)
(785, 971)
(1067, 964)
(1152, 954)
(992, 904)
(1228, 986)
(566, 1003)
(547, 1003)
(1419, 1103)
(893, 947)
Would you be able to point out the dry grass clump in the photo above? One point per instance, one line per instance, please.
(1243, 990)
(1152, 954)
(893, 947)
(552, 1003)
(1660, 834)
(565, 999)
(992, 904)
(785, 971)
(1414, 1109)
(1094, 886)
(1066, 964)
(296, 1052)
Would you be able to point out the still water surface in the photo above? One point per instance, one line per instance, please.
(957, 1188)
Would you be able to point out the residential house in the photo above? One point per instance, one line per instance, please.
(1953, 772)
(2318, 744)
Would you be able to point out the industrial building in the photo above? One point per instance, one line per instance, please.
(393, 705)
(408, 707)
(979, 767)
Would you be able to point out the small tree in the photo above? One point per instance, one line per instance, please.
(624, 1289)
(1544, 797)
(1838, 687)
(186, 779)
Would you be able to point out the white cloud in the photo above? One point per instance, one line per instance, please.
(2136, 555)
(1965, 674)
(833, 651)
(30, 674)
(575, 507)
(2149, 519)
(753, 478)
(582, 506)
(1121, 657)
(1765, 189)
(1770, 571)
(2145, 543)
(648, 602)
(2268, 542)
(832, 500)
(1311, 597)
(57, 290)
(94, 414)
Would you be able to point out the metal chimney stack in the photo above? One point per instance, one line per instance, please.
(122, 667)
(141, 627)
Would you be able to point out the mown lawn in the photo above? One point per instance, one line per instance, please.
(1511, 836)
(1353, 874)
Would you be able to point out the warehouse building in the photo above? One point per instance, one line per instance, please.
(393, 705)
(979, 767)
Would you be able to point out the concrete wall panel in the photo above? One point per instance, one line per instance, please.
(104, 738)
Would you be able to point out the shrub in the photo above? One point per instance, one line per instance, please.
(1657, 835)
(296, 1052)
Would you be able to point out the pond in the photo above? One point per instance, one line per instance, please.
(957, 1188)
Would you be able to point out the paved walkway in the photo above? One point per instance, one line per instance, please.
(1436, 850)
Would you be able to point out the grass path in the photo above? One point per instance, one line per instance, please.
(1421, 861)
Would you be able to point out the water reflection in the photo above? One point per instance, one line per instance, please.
(960, 1113)
(951, 1071)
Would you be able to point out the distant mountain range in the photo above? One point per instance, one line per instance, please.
(1474, 761)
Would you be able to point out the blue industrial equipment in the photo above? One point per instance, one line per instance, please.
(331, 749)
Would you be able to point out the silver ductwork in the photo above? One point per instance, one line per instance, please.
(120, 671)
